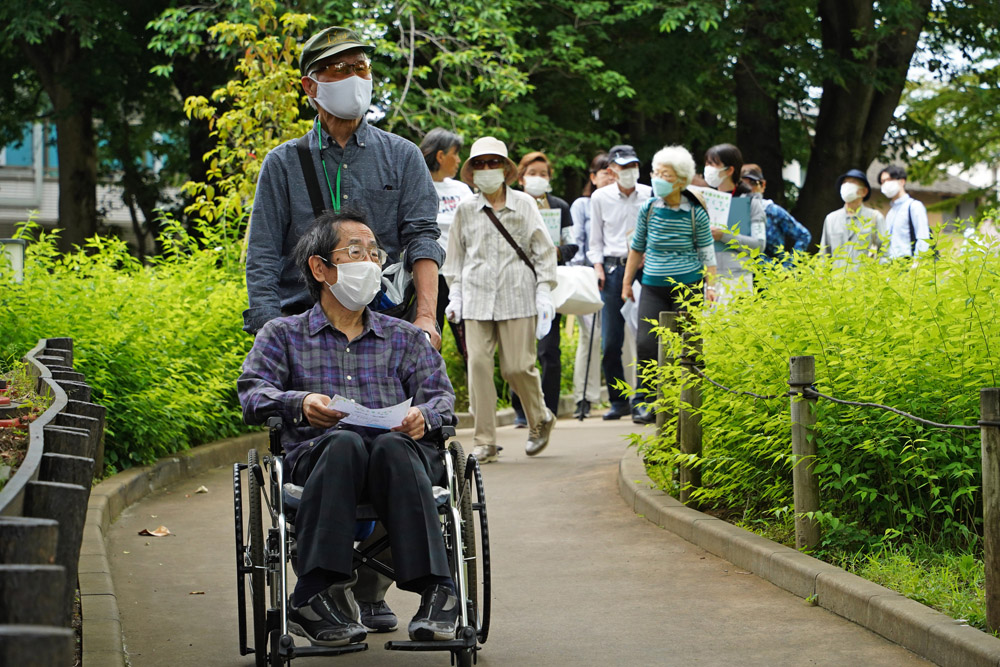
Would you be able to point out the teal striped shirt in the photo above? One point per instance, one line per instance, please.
(666, 236)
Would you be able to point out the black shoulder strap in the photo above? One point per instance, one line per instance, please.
(913, 232)
(309, 173)
(513, 244)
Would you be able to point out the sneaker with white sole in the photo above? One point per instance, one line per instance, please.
(539, 440)
(323, 624)
(437, 617)
(486, 453)
(377, 617)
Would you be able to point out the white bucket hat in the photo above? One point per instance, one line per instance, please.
(489, 146)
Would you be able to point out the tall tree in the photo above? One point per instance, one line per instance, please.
(867, 49)
(84, 57)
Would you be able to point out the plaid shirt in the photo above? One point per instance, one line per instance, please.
(390, 361)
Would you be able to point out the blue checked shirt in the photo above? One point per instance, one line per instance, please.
(390, 361)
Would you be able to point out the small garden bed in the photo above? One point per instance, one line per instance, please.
(19, 406)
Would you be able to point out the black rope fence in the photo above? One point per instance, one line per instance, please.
(812, 392)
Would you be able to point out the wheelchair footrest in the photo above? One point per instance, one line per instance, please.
(448, 645)
(307, 651)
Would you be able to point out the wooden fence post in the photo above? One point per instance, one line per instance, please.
(667, 320)
(989, 428)
(688, 417)
(802, 373)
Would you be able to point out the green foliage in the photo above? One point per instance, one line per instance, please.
(951, 582)
(919, 338)
(160, 345)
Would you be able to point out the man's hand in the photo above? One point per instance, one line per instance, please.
(413, 425)
(317, 414)
(599, 270)
(428, 324)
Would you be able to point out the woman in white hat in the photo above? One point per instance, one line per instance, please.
(500, 268)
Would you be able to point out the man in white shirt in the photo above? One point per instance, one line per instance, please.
(614, 210)
(853, 230)
(909, 231)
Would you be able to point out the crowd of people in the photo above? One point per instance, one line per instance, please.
(345, 205)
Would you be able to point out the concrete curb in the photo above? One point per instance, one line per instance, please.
(928, 633)
(103, 644)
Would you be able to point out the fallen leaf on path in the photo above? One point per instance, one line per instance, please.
(161, 531)
(126, 552)
(201, 489)
(196, 593)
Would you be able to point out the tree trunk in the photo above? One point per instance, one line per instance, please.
(758, 130)
(57, 60)
(854, 114)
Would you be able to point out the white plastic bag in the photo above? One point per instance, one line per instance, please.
(576, 291)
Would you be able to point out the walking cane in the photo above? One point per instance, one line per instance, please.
(590, 351)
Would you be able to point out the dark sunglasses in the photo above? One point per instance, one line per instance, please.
(487, 163)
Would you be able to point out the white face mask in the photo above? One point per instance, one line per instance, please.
(713, 175)
(536, 186)
(891, 188)
(849, 192)
(627, 178)
(488, 180)
(348, 98)
(357, 284)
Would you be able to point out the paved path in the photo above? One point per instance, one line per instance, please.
(578, 578)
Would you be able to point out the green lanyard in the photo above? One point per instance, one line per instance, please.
(335, 198)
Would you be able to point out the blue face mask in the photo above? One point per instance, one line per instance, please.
(662, 187)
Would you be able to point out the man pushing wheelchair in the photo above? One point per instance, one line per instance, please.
(342, 348)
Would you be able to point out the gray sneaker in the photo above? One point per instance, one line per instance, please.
(485, 453)
(323, 624)
(540, 440)
(437, 617)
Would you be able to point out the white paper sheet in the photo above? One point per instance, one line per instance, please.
(359, 415)
(552, 217)
(716, 204)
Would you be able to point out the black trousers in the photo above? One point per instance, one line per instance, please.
(652, 300)
(394, 473)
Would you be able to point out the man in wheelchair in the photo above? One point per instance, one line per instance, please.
(342, 347)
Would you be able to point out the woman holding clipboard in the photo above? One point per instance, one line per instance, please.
(747, 223)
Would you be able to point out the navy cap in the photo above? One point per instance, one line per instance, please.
(858, 174)
(623, 154)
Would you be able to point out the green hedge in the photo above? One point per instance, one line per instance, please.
(161, 345)
(923, 339)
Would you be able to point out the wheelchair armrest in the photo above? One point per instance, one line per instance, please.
(275, 425)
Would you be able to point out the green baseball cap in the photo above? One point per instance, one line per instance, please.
(330, 42)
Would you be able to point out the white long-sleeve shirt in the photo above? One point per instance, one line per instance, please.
(903, 210)
(494, 282)
(613, 215)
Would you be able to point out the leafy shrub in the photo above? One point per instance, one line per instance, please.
(920, 338)
(160, 345)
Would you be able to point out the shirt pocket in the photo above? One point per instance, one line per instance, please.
(382, 391)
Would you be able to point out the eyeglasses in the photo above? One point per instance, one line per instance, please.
(487, 163)
(358, 252)
(342, 70)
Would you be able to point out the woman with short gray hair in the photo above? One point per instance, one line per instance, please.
(674, 234)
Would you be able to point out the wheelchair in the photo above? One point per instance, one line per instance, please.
(262, 556)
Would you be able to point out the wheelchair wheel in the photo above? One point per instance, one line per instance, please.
(479, 534)
(255, 539)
